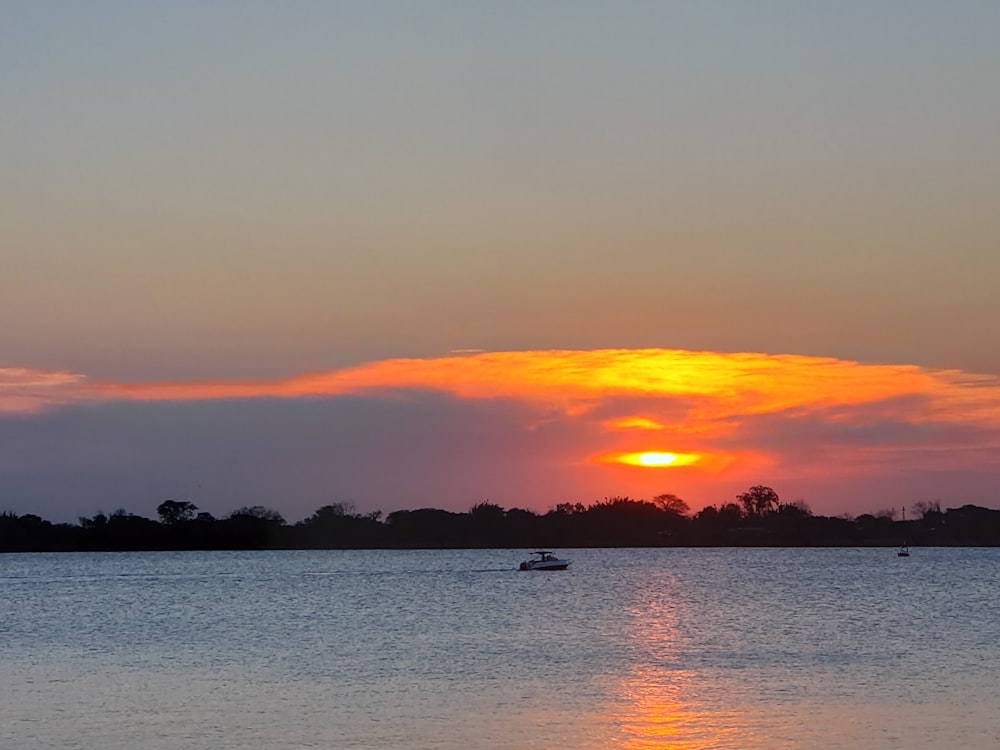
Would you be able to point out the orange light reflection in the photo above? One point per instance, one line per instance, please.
(663, 716)
(662, 706)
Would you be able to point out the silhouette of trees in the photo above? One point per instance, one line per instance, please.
(626, 523)
(672, 504)
(98, 521)
(758, 500)
(922, 508)
(257, 514)
(254, 527)
(173, 511)
(337, 526)
(757, 518)
(426, 528)
(487, 526)
(524, 529)
(31, 533)
(792, 522)
(797, 507)
(329, 516)
(718, 526)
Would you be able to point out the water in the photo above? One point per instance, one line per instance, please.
(694, 649)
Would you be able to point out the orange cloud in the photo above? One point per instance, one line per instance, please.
(633, 423)
(713, 386)
(722, 384)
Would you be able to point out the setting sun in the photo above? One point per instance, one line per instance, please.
(653, 459)
(656, 459)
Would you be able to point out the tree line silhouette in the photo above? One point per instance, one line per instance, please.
(756, 517)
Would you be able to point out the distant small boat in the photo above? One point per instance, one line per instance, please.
(904, 551)
(544, 560)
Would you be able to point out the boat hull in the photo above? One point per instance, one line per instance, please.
(548, 565)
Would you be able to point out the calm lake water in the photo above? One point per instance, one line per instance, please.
(709, 648)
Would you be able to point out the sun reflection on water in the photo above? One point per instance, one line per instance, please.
(663, 715)
(664, 704)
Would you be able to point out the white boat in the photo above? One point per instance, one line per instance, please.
(544, 560)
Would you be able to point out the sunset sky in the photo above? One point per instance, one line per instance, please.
(407, 254)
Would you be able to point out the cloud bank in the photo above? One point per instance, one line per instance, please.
(642, 420)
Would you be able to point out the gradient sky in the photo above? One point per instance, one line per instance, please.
(427, 254)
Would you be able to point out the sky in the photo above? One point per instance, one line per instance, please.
(431, 254)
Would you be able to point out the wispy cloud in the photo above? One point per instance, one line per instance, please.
(24, 391)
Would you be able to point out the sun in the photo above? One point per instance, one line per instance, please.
(655, 458)
(652, 459)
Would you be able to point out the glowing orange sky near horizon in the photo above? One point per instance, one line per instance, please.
(690, 404)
